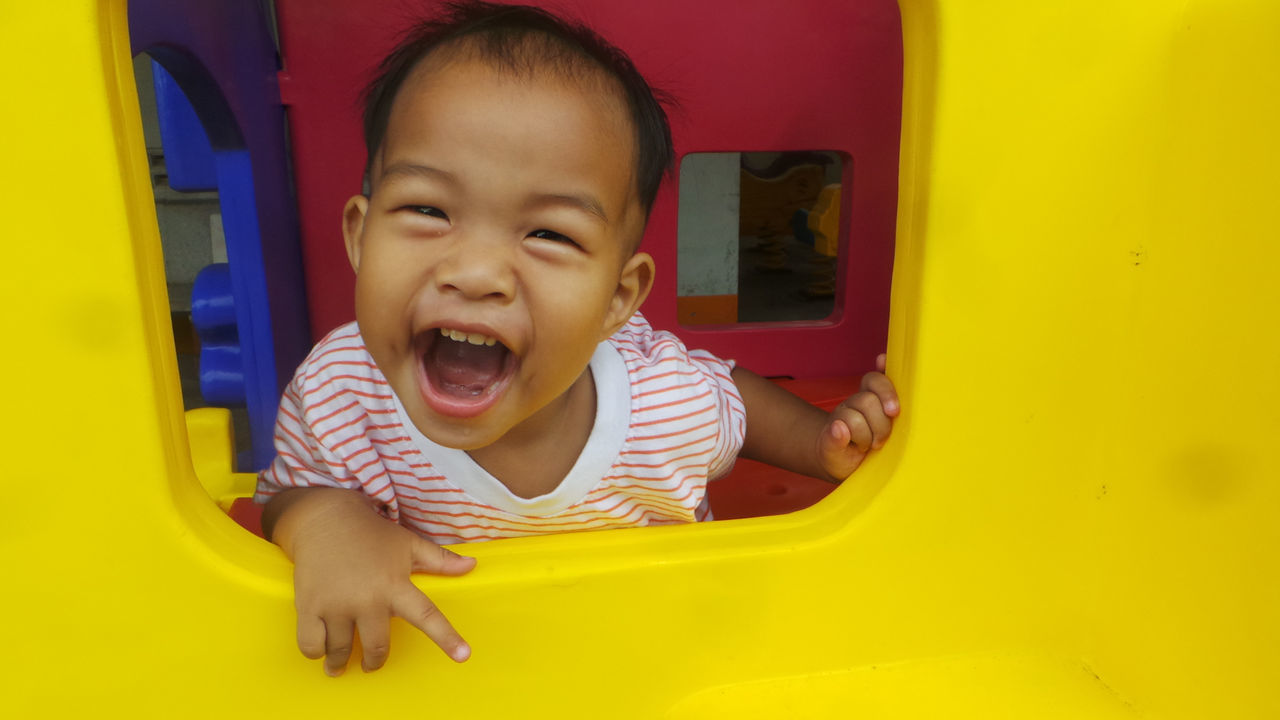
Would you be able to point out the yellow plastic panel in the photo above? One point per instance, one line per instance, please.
(970, 686)
(1077, 516)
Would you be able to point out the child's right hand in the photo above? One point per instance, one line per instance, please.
(351, 573)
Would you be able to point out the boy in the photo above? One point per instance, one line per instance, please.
(498, 380)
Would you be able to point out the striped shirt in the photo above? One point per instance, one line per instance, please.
(667, 420)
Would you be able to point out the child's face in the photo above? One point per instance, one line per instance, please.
(502, 211)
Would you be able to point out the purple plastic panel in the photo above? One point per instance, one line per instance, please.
(223, 57)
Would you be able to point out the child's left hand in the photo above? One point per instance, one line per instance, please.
(858, 425)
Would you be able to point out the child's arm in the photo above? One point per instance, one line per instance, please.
(351, 572)
(785, 431)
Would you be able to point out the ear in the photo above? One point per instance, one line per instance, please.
(353, 227)
(634, 283)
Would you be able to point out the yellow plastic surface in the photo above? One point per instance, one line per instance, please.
(1078, 516)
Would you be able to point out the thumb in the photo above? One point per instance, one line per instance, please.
(835, 438)
(429, 557)
(838, 456)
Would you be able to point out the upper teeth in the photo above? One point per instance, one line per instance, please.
(473, 338)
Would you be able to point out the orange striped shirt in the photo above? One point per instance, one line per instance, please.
(667, 421)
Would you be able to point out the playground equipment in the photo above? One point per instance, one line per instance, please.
(1076, 516)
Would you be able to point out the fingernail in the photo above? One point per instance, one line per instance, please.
(334, 672)
(461, 653)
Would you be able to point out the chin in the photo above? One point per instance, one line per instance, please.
(457, 434)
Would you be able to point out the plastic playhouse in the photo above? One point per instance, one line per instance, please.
(1057, 217)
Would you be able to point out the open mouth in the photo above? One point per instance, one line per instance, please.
(463, 373)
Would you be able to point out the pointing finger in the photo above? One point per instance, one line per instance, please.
(423, 614)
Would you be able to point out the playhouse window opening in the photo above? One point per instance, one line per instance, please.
(759, 236)
(189, 217)
(763, 276)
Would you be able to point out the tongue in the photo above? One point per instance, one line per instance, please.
(463, 369)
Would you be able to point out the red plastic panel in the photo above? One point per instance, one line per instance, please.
(749, 76)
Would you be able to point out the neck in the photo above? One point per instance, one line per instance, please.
(535, 456)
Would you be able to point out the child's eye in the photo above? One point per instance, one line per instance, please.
(552, 236)
(428, 210)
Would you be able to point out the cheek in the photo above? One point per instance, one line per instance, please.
(383, 276)
(381, 293)
(367, 297)
(579, 318)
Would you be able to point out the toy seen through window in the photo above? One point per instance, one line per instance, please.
(759, 236)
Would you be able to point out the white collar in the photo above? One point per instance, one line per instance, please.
(608, 433)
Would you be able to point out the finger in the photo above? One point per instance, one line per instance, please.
(429, 557)
(375, 640)
(873, 413)
(311, 635)
(882, 387)
(337, 645)
(418, 610)
(881, 361)
(860, 435)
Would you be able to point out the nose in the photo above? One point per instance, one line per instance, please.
(477, 268)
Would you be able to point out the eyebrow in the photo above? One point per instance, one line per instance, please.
(579, 201)
(413, 169)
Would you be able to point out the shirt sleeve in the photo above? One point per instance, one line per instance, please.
(324, 433)
(732, 424)
(301, 459)
(696, 374)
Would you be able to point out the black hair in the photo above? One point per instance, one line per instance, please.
(523, 39)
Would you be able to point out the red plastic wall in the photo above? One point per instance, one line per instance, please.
(750, 75)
